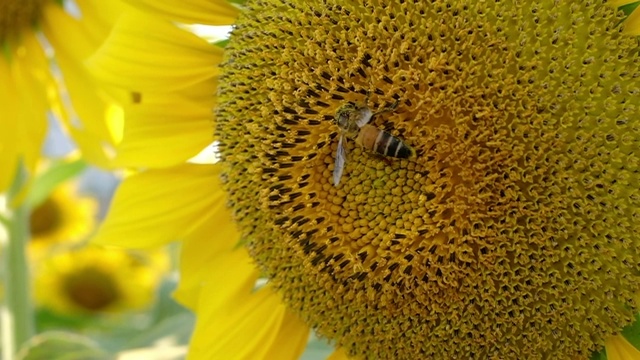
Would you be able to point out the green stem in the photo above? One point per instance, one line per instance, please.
(17, 325)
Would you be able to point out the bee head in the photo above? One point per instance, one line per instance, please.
(344, 115)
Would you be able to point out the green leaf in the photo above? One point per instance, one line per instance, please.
(599, 355)
(632, 333)
(628, 8)
(58, 173)
(49, 320)
(61, 345)
(221, 43)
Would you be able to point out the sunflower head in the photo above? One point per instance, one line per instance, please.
(62, 218)
(96, 280)
(513, 232)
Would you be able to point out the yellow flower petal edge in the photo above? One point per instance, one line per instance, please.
(142, 46)
(632, 23)
(232, 271)
(204, 249)
(291, 339)
(151, 127)
(100, 15)
(618, 3)
(24, 94)
(73, 42)
(213, 12)
(158, 206)
(246, 328)
(233, 322)
(10, 149)
(618, 348)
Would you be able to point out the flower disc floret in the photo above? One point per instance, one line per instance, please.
(513, 232)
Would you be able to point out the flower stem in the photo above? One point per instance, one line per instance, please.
(16, 311)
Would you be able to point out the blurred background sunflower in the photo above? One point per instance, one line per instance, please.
(91, 280)
(63, 218)
(96, 300)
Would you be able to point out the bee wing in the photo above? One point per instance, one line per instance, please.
(365, 116)
(341, 156)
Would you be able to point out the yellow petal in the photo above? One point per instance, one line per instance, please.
(72, 44)
(204, 250)
(618, 3)
(142, 46)
(632, 23)
(618, 348)
(100, 16)
(10, 151)
(291, 339)
(69, 34)
(338, 354)
(248, 328)
(24, 93)
(231, 271)
(158, 206)
(209, 12)
(170, 125)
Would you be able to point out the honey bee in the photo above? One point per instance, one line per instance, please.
(353, 121)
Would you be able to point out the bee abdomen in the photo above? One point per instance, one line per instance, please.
(389, 145)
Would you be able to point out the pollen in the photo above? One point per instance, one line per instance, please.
(17, 15)
(513, 233)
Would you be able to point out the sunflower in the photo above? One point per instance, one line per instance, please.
(511, 233)
(33, 34)
(62, 218)
(98, 280)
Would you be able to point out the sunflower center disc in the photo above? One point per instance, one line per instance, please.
(91, 290)
(513, 231)
(45, 218)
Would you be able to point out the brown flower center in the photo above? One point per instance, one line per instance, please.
(18, 15)
(45, 219)
(513, 232)
(91, 289)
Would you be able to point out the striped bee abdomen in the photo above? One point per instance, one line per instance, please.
(383, 143)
